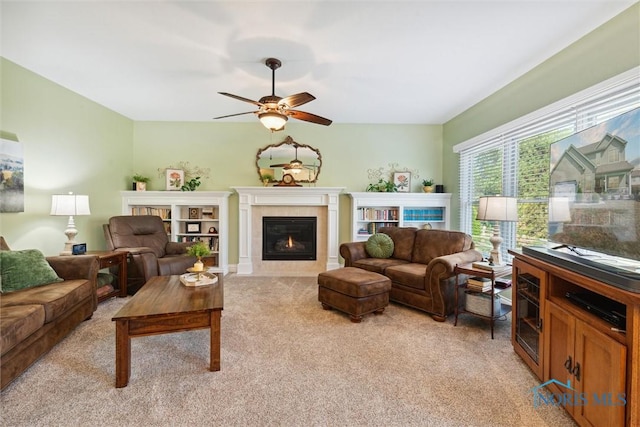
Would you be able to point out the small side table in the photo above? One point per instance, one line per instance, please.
(468, 269)
(109, 259)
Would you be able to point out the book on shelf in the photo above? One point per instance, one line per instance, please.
(503, 282)
(481, 281)
(497, 269)
(481, 284)
(378, 214)
(373, 227)
(474, 288)
(188, 239)
(164, 213)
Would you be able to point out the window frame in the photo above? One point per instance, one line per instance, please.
(587, 108)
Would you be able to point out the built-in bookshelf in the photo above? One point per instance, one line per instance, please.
(370, 211)
(189, 216)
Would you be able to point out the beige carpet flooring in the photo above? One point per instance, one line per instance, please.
(285, 362)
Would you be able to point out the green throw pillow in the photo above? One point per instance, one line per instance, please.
(379, 245)
(24, 269)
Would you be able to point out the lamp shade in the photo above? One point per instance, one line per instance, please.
(497, 208)
(559, 209)
(294, 167)
(273, 121)
(70, 204)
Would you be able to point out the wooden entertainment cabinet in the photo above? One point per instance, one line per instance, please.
(565, 344)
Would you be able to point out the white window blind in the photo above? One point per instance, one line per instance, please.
(513, 160)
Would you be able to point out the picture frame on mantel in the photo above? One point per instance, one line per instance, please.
(174, 179)
(402, 181)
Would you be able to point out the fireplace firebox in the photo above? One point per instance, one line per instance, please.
(290, 238)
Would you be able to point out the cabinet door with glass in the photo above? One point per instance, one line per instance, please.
(530, 284)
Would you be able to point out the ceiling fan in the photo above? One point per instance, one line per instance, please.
(274, 111)
(294, 166)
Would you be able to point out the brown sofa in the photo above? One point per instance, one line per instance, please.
(33, 320)
(421, 266)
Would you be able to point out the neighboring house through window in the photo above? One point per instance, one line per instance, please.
(513, 160)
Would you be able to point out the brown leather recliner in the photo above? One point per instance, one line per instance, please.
(150, 251)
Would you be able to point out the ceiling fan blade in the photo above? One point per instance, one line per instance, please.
(297, 99)
(237, 114)
(240, 98)
(308, 117)
(279, 165)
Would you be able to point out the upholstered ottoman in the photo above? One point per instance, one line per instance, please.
(354, 291)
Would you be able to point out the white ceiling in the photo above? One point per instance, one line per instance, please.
(365, 61)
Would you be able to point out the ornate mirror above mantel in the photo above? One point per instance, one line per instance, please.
(289, 158)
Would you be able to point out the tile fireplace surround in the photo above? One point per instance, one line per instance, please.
(256, 202)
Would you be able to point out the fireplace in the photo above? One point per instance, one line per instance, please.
(291, 238)
(254, 203)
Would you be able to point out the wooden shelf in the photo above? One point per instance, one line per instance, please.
(469, 270)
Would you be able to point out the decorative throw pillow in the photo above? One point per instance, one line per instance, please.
(25, 269)
(379, 245)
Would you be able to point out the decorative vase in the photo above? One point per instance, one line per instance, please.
(427, 189)
(140, 186)
(265, 182)
(198, 265)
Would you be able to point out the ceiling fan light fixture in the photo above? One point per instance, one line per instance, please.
(273, 110)
(295, 166)
(273, 121)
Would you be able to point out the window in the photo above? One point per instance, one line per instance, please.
(614, 155)
(513, 160)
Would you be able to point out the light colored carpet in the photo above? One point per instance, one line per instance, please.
(285, 362)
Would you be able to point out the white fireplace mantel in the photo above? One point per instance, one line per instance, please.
(286, 196)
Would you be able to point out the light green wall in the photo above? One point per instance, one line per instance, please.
(70, 144)
(229, 150)
(611, 49)
(73, 144)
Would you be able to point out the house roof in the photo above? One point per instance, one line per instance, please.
(617, 167)
(421, 61)
(580, 156)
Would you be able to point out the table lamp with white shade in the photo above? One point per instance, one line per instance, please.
(497, 209)
(70, 205)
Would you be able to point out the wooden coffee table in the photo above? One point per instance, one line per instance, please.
(165, 305)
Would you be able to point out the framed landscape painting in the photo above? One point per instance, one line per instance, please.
(11, 176)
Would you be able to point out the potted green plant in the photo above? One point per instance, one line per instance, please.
(266, 178)
(198, 250)
(140, 182)
(427, 185)
(382, 186)
(191, 184)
